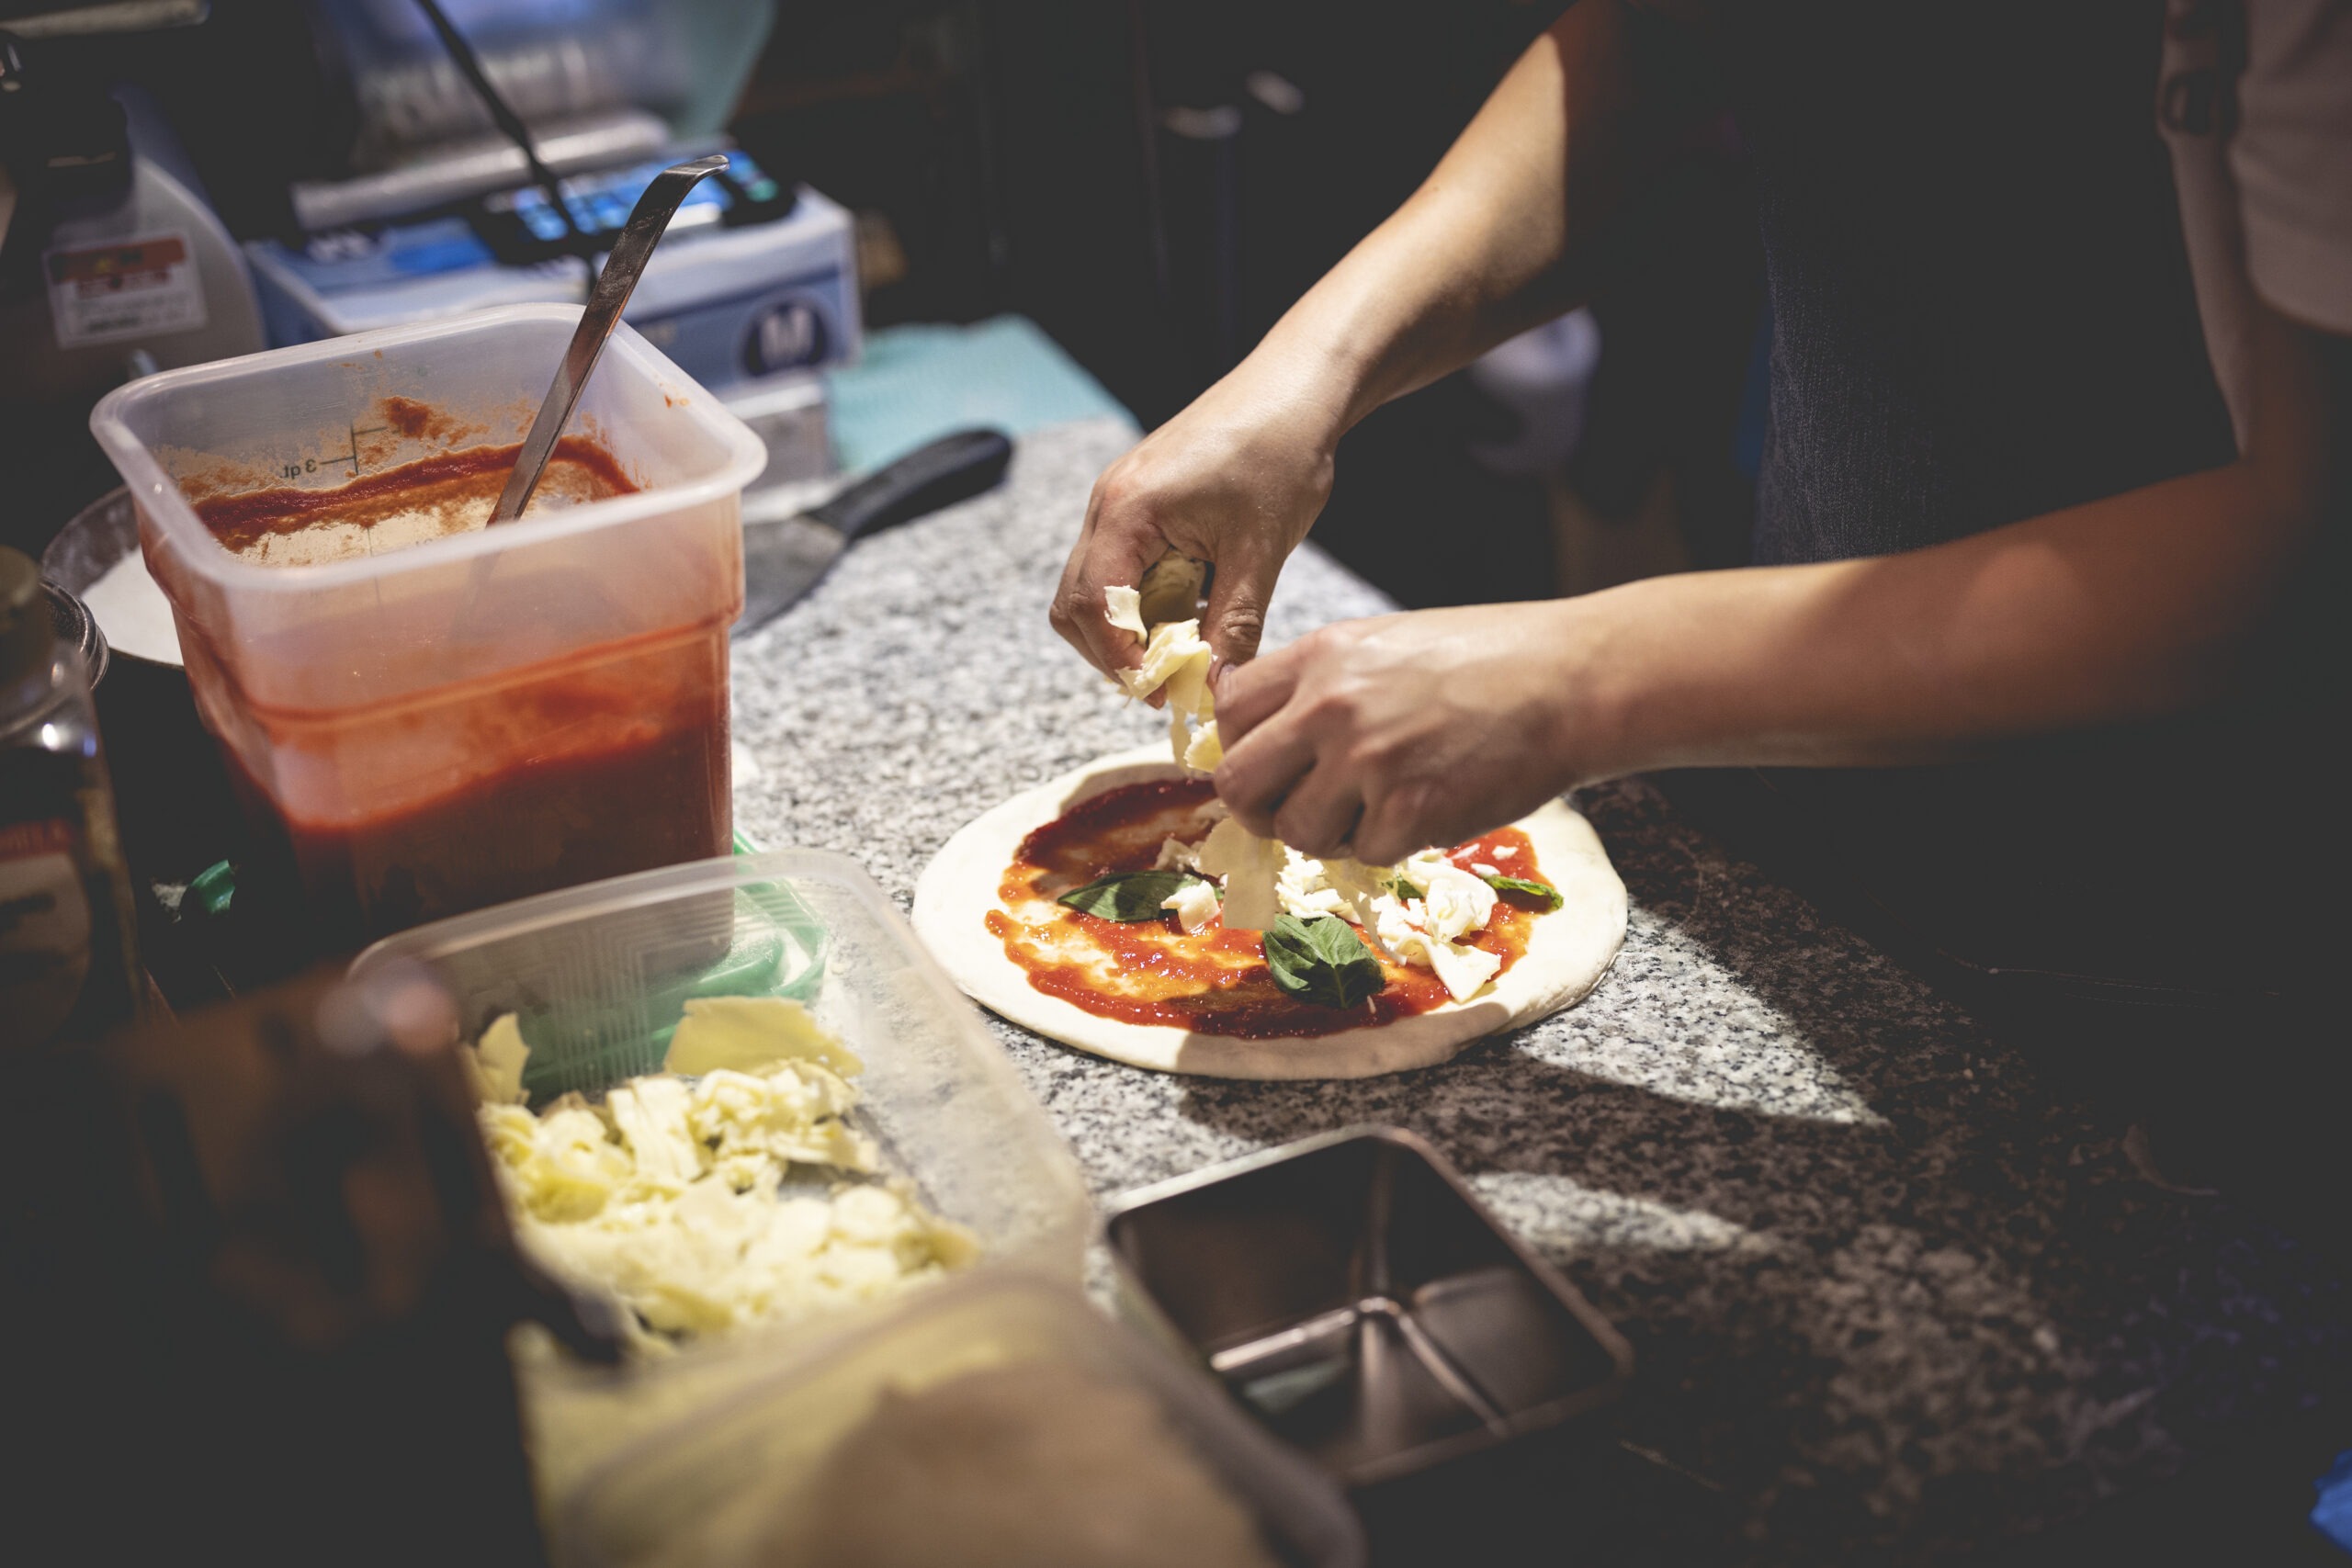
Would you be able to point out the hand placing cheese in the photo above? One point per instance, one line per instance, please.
(1234, 481)
(1385, 735)
(1261, 877)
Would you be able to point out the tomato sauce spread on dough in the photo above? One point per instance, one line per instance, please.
(1213, 981)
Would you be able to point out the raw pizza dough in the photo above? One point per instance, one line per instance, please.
(1568, 952)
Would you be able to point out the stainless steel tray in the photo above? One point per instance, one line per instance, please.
(1351, 1291)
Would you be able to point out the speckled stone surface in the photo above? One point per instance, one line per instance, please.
(1882, 1289)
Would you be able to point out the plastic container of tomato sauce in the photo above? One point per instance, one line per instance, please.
(426, 715)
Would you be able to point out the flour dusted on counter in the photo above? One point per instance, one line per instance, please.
(132, 611)
(690, 1199)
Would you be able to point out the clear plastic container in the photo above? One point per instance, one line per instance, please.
(715, 1490)
(598, 975)
(479, 716)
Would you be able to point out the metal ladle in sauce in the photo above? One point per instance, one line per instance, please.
(645, 223)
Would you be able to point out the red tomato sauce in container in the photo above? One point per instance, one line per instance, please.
(425, 715)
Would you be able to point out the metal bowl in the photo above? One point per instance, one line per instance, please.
(73, 623)
(173, 798)
(99, 536)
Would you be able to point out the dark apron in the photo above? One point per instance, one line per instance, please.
(1983, 311)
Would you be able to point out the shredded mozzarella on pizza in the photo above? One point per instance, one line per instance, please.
(1263, 878)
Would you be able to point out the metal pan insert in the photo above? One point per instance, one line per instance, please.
(1351, 1291)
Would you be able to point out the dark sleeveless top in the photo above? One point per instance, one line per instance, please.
(1981, 311)
(1981, 301)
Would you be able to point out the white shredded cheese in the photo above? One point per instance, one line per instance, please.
(1196, 904)
(670, 1195)
(1123, 607)
(1250, 868)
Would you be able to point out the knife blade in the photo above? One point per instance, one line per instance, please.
(785, 558)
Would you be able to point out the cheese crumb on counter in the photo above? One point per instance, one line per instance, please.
(705, 1203)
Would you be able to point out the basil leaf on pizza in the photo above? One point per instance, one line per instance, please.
(1321, 960)
(1127, 897)
(1541, 893)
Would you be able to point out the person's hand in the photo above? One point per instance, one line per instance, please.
(259, 1269)
(1378, 738)
(1235, 480)
(314, 1148)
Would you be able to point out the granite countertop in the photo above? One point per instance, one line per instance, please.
(1881, 1287)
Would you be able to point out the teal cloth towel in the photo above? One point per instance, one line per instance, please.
(920, 380)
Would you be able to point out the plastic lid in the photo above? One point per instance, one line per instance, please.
(27, 630)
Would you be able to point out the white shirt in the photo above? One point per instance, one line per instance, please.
(2256, 103)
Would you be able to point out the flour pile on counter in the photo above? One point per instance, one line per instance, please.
(689, 1198)
(1415, 913)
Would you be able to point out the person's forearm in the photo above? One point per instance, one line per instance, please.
(1494, 240)
(2126, 608)
(1921, 656)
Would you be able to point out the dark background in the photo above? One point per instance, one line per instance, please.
(1153, 183)
(1046, 156)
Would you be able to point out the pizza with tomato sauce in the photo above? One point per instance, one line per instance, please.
(1120, 909)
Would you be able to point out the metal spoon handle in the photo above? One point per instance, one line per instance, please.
(618, 280)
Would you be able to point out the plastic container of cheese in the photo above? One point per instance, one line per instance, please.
(598, 975)
(739, 1486)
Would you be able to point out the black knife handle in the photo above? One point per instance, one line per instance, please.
(952, 468)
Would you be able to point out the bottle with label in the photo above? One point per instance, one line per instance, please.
(68, 964)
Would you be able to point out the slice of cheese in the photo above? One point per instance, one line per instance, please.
(1176, 657)
(1175, 854)
(1251, 869)
(1123, 607)
(751, 1032)
(1400, 926)
(1170, 590)
(1204, 750)
(495, 1064)
(1465, 970)
(1302, 889)
(1196, 904)
(1455, 902)
(650, 1115)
